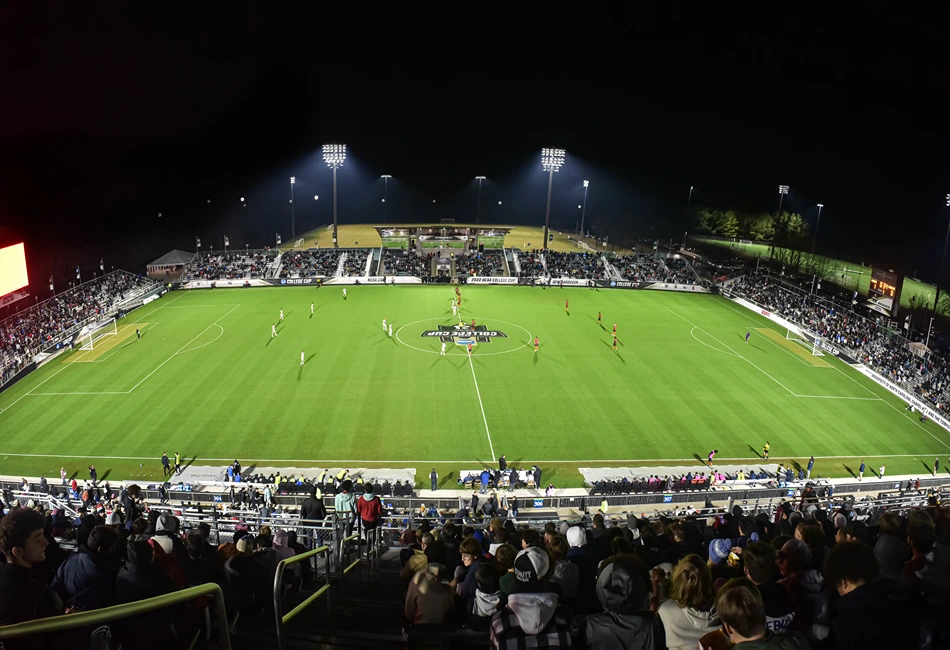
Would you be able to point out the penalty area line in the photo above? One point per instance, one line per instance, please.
(484, 419)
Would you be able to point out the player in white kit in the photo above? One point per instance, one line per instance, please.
(311, 309)
(273, 331)
(344, 293)
(390, 330)
(301, 357)
(384, 324)
(443, 349)
(281, 314)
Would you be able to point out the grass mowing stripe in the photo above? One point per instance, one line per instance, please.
(180, 349)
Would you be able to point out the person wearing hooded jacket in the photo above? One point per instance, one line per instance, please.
(626, 622)
(690, 611)
(532, 616)
(370, 508)
(487, 600)
(345, 503)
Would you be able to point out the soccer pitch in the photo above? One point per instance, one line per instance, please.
(208, 380)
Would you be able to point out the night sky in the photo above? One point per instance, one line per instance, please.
(108, 118)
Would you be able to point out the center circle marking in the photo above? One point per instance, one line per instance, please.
(481, 354)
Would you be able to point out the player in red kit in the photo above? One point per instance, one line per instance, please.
(469, 349)
(473, 323)
(535, 343)
(565, 306)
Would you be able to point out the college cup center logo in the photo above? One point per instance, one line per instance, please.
(464, 334)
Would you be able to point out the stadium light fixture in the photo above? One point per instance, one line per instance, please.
(817, 223)
(584, 206)
(478, 209)
(293, 220)
(782, 191)
(942, 260)
(385, 178)
(334, 155)
(689, 200)
(551, 161)
(316, 197)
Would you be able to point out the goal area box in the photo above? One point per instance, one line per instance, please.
(94, 332)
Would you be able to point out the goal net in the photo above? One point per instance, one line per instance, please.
(93, 332)
(806, 340)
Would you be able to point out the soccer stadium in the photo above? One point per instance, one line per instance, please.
(279, 370)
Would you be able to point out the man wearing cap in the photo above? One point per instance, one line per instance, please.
(531, 617)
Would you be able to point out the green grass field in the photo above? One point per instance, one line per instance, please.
(207, 379)
(846, 274)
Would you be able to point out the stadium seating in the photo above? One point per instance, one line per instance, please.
(906, 534)
(643, 268)
(868, 340)
(55, 320)
(231, 265)
(310, 263)
(400, 262)
(489, 263)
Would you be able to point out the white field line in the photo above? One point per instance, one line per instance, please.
(913, 420)
(65, 365)
(692, 333)
(180, 349)
(733, 351)
(108, 354)
(321, 461)
(484, 419)
(163, 305)
(789, 352)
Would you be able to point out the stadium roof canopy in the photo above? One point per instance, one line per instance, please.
(173, 258)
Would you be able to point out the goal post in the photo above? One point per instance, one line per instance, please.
(94, 331)
(806, 340)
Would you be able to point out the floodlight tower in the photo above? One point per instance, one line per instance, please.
(551, 161)
(942, 260)
(782, 191)
(385, 178)
(293, 228)
(478, 210)
(817, 223)
(334, 155)
(584, 208)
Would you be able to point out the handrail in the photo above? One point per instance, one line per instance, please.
(116, 612)
(342, 544)
(278, 601)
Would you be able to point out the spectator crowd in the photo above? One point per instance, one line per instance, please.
(35, 328)
(231, 265)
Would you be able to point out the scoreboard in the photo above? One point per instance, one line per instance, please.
(884, 292)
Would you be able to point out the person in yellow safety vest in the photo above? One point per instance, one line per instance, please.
(740, 476)
(300, 480)
(603, 505)
(341, 475)
(359, 480)
(277, 480)
(323, 477)
(318, 494)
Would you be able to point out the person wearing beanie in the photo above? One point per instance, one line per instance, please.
(626, 621)
(251, 572)
(531, 618)
(719, 550)
(580, 555)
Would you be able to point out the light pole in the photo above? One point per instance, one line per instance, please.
(334, 155)
(689, 200)
(817, 223)
(782, 191)
(584, 208)
(942, 260)
(385, 178)
(478, 210)
(930, 329)
(293, 222)
(551, 161)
